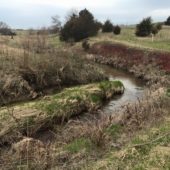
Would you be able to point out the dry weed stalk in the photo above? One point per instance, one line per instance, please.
(145, 112)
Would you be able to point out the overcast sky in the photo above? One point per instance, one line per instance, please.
(37, 13)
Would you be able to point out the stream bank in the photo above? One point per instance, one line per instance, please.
(92, 143)
(152, 67)
(31, 117)
(134, 89)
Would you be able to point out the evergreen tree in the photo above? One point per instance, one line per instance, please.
(167, 22)
(107, 26)
(144, 28)
(117, 30)
(79, 27)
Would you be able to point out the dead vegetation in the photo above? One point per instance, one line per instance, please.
(98, 141)
(28, 119)
(150, 66)
(136, 139)
(36, 42)
(27, 74)
(151, 110)
(150, 73)
(145, 140)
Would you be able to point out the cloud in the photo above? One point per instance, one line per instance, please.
(58, 3)
(160, 12)
(35, 13)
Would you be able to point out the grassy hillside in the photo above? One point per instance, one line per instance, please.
(127, 37)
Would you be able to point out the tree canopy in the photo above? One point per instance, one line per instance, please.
(107, 26)
(144, 28)
(79, 26)
(167, 22)
(116, 30)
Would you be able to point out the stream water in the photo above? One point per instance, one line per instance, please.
(134, 89)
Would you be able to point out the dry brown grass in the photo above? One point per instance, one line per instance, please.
(45, 113)
(86, 141)
(26, 72)
(31, 153)
(146, 112)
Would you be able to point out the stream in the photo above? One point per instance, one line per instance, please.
(134, 89)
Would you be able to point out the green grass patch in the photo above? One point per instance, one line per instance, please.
(168, 92)
(118, 84)
(96, 99)
(114, 130)
(105, 85)
(79, 144)
(70, 100)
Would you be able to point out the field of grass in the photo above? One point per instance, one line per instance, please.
(127, 37)
(161, 40)
(42, 134)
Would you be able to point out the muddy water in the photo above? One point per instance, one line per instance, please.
(134, 89)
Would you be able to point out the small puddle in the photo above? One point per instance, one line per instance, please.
(134, 89)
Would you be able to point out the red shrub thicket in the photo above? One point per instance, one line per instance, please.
(130, 56)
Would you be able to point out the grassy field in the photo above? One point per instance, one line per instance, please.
(127, 36)
(161, 40)
(35, 133)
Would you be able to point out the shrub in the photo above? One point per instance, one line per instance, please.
(71, 41)
(168, 92)
(116, 30)
(144, 28)
(156, 28)
(167, 22)
(159, 26)
(37, 43)
(5, 29)
(99, 25)
(107, 26)
(79, 27)
(85, 45)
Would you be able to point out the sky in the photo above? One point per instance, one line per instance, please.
(38, 13)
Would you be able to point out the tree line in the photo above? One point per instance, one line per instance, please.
(82, 25)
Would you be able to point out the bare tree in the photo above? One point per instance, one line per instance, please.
(5, 29)
(56, 24)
